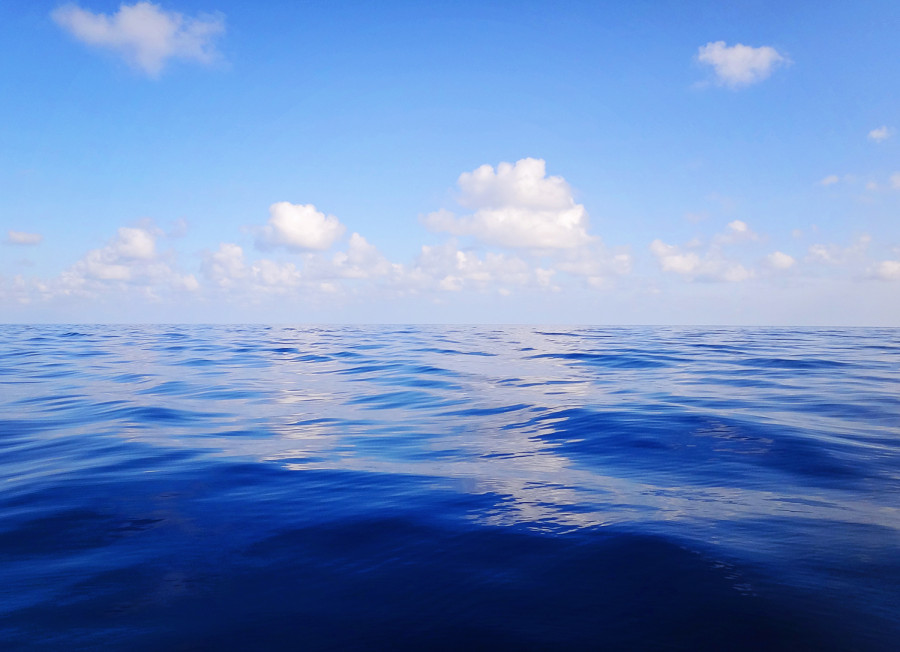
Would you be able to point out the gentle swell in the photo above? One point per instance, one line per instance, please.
(241, 487)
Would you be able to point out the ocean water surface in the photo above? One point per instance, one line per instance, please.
(520, 488)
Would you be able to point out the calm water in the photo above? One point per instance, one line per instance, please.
(449, 488)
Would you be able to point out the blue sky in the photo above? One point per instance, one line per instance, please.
(580, 162)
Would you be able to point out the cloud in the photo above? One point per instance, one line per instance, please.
(881, 134)
(895, 181)
(449, 269)
(830, 180)
(672, 259)
(145, 35)
(119, 260)
(225, 266)
(299, 227)
(361, 260)
(595, 264)
(833, 254)
(227, 269)
(737, 231)
(23, 238)
(740, 65)
(711, 265)
(516, 206)
(887, 270)
(780, 260)
(130, 259)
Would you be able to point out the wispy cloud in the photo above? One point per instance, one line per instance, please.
(144, 34)
(23, 238)
(881, 134)
(740, 65)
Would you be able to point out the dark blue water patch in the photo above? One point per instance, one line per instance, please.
(310, 357)
(405, 399)
(441, 351)
(500, 409)
(686, 444)
(371, 368)
(611, 360)
(789, 363)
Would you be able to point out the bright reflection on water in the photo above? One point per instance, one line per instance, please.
(408, 487)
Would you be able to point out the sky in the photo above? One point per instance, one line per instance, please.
(469, 162)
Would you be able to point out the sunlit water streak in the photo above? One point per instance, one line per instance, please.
(172, 487)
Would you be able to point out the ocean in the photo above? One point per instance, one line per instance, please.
(449, 488)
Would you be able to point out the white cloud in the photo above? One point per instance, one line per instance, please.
(881, 134)
(895, 181)
(710, 265)
(740, 65)
(121, 260)
(129, 260)
(833, 254)
(830, 180)
(226, 265)
(450, 269)
(144, 34)
(23, 238)
(299, 227)
(227, 269)
(738, 231)
(517, 206)
(672, 259)
(270, 274)
(780, 260)
(887, 270)
(362, 260)
(595, 264)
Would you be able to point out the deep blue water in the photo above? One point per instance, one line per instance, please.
(175, 487)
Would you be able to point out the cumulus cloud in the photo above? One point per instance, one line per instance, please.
(740, 65)
(887, 270)
(362, 260)
(130, 259)
(23, 238)
(144, 34)
(710, 265)
(226, 265)
(830, 180)
(450, 269)
(780, 260)
(516, 206)
(299, 227)
(881, 133)
(833, 254)
(227, 269)
(595, 264)
(691, 265)
(737, 231)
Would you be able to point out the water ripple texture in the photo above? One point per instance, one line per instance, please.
(262, 487)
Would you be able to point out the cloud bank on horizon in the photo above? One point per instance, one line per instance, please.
(510, 242)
